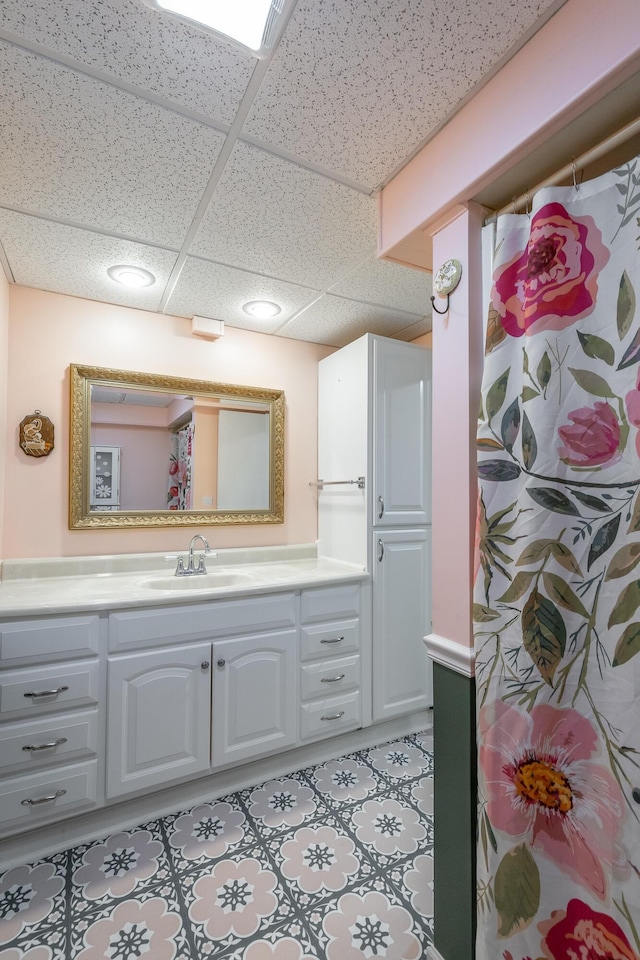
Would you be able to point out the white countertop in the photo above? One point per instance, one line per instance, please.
(37, 587)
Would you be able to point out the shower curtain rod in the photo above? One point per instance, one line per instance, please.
(590, 156)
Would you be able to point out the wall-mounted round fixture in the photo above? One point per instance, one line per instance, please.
(262, 309)
(445, 281)
(131, 276)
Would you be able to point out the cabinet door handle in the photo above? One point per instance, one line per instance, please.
(221, 663)
(205, 664)
(29, 802)
(332, 679)
(33, 747)
(380, 507)
(380, 550)
(329, 716)
(46, 693)
(332, 640)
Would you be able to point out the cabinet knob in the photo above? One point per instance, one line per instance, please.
(635, 793)
(205, 664)
(221, 663)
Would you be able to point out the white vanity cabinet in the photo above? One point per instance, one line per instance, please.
(254, 696)
(49, 719)
(158, 718)
(330, 664)
(401, 608)
(181, 708)
(374, 423)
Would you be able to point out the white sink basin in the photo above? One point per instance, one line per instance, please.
(206, 581)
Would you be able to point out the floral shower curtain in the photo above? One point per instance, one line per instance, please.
(179, 494)
(557, 593)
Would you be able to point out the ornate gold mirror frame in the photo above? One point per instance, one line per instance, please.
(223, 395)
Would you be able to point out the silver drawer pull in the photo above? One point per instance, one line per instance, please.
(334, 640)
(33, 747)
(34, 803)
(329, 716)
(328, 679)
(46, 693)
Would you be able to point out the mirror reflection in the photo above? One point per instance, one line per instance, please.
(156, 450)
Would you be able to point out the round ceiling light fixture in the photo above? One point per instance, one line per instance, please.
(262, 309)
(131, 276)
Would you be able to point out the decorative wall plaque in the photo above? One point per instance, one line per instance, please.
(36, 435)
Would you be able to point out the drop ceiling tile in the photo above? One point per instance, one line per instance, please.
(388, 284)
(76, 149)
(51, 256)
(207, 289)
(355, 87)
(271, 216)
(137, 45)
(335, 321)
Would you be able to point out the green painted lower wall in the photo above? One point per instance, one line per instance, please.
(455, 785)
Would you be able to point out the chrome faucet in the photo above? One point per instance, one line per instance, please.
(191, 570)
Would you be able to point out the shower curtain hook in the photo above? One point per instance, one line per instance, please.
(526, 205)
(573, 170)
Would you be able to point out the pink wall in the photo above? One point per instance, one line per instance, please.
(583, 52)
(4, 362)
(457, 368)
(48, 331)
(144, 463)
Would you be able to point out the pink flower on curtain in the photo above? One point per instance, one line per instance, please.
(553, 282)
(581, 932)
(542, 783)
(633, 409)
(592, 439)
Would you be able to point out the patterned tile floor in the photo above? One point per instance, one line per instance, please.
(333, 862)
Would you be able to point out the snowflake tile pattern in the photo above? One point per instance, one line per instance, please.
(334, 862)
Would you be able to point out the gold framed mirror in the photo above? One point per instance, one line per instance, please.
(151, 451)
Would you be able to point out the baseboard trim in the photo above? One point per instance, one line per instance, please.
(433, 954)
(450, 654)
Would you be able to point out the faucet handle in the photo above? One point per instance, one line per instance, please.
(201, 566)
(180, 567)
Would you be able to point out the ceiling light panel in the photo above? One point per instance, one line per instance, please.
(251, 24)
(132, 44)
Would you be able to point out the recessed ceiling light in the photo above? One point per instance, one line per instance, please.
(250, 23)
(131, 276)
(261, 309)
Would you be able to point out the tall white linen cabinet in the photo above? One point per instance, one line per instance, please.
(374, 424)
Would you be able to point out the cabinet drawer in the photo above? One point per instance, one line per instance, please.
(327, 639)
(32, 744)
(54, 638)
(130, 629)
(330, 603)
(53, 794)
(56, 688)
(329, 677)
(325, 718)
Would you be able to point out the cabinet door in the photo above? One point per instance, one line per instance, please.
(401, 434)
(401, 618)
(254, 696)
(158, 717)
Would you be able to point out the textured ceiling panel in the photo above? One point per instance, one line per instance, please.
(356, 86)
(335, 321)
(388, 284)
(75, 261)
(275, 217)
(77, 149)
(211, 290)
(137, 45)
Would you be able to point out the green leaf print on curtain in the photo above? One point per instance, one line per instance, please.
(557, 593)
